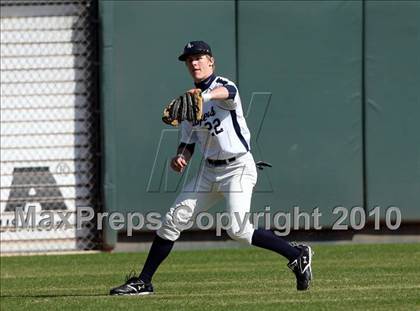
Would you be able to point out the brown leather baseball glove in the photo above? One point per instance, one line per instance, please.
(188, 106)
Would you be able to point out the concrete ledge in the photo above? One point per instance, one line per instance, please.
(48, 253)
(192, 240)
(368, 238)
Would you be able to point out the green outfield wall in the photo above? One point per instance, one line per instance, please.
(331, 89)
(392, 105)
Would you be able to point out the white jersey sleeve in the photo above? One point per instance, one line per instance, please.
(231, 102)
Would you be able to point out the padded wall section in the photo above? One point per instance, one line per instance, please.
(393, 106)
(304, 58)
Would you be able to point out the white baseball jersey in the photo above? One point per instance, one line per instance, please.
(222, 133)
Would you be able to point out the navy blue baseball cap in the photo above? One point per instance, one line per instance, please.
(194, 48)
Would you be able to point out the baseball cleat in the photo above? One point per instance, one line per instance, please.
(301, 267)
(132, 287)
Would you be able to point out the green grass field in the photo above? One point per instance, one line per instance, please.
(346, 277)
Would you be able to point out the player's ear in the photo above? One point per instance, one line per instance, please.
(211, 59)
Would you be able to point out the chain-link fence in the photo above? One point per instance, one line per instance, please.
(49, 125)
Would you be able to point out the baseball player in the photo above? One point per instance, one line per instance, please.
(228, 172)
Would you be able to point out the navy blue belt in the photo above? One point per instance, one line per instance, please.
(221, 162)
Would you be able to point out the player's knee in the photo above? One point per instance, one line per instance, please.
(176, 220)
(181, 216)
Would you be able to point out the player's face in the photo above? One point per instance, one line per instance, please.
(200, 66)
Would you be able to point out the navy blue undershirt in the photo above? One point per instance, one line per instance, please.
(204, 85)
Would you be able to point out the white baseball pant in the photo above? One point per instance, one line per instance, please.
(234, 181)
